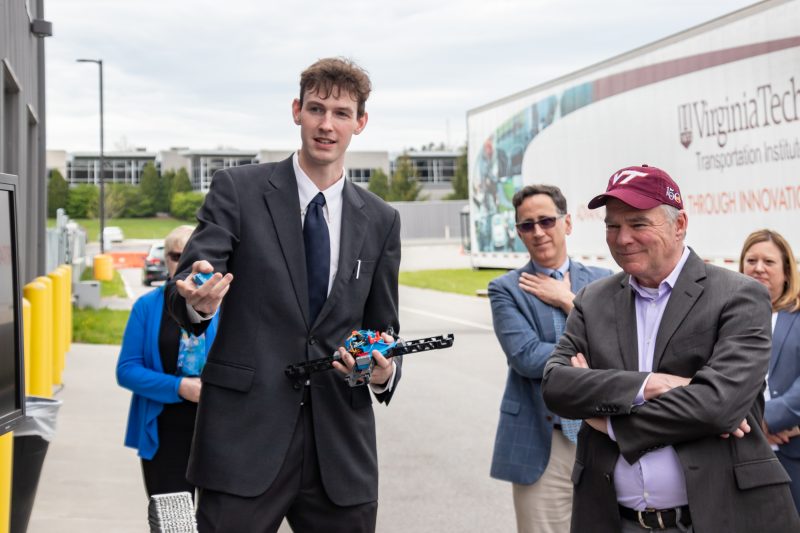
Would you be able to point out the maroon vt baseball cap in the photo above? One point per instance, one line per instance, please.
(641, 187)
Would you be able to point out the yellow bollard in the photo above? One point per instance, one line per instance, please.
(53, 339)
(68, 308)
(103, 267)
(26, 342)
(38, 294)
(59, 293)
(6, 464)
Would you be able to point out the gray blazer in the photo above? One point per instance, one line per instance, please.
(250, 225)
(524, 327)
(716, 330)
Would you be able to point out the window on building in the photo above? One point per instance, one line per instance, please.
(359, 175)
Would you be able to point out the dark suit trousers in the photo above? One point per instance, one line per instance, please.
(297, 494)
(166, 471)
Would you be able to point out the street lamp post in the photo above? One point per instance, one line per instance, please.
(102, 162)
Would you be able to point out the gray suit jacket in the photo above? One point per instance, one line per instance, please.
(524, 327)
(716, 330)
(250, 226)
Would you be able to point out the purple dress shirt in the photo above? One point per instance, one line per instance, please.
(656, 480)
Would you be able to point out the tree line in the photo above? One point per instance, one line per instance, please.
(404, 185)
(170, 193)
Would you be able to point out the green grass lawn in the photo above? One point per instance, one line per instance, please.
(106, 326)
(461, 281)
(115, 287)
(98, 326)
(132, 228)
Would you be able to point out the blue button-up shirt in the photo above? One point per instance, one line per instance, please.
(656, 480)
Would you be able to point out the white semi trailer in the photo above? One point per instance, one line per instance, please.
(717, 106)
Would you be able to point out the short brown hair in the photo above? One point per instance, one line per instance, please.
(333, 75)
(552, 191)
(789, 300)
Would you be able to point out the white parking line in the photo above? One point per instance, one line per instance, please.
(128, 290)
(448, 318)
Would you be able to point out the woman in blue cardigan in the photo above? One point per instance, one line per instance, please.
(767, 257)
(160, 364)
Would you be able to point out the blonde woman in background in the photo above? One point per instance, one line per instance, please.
(161, 363)
(768, 258)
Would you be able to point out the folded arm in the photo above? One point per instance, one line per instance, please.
(583, 393)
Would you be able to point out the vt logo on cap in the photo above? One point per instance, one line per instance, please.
(626, 176)
(642, 187)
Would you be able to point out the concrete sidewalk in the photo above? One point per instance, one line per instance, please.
(90, 481)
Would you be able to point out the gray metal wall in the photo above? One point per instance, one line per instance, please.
(22, 125)
(430, 220)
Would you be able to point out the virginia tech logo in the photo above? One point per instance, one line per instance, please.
(685, 124)
(624, 176)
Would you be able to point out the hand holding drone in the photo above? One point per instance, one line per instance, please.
(360, 344)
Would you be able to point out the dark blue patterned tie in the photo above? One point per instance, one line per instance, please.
(568, 427)
(318, 254)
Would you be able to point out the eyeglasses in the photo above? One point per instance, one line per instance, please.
(174, 256)
(544, 223)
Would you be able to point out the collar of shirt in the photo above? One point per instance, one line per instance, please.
(307, 190)
(547, 271)
(665, 286)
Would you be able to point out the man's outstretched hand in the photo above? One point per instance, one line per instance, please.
(207, 298)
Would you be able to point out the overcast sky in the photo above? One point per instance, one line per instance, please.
(209, 74)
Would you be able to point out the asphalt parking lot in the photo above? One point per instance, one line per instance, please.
(434, 441)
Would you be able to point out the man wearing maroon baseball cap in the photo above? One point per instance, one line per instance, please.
(641, 187)
(664, 362)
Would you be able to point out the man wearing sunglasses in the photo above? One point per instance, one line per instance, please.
(534, 449)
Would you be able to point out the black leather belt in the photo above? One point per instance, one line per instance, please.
(658, 518)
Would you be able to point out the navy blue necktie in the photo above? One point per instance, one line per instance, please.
(318, 254)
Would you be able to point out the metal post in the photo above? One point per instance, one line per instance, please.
(99, 63)
(102, 168)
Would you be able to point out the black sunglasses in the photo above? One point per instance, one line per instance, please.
(174, 256)
(545, 223)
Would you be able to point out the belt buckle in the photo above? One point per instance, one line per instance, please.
(660, 519)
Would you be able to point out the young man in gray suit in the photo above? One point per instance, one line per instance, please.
(665, 361)
(301, 257)
(533, 448)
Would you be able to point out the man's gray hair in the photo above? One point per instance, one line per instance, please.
(672, 214)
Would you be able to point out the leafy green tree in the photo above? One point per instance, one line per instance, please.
(404, 186)
(461, 179)
(181, 183)
(124, 200)
(185, 204)
(115, 200)
(57, 193)
(379, 183)
(149, 190)
(83, 201)
(165, 191)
